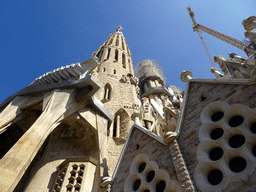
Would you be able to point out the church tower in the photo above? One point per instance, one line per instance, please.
(119, 93)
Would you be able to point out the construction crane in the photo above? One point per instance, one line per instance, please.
(247, 48)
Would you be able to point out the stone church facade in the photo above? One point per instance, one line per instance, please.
(96, 127)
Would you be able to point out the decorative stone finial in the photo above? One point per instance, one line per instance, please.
(186, 76)
(169, 137)
(136, 116)
(217, 74)
(105, 181)
(249, 23)
(179, 96)
(119, 29)
(213, 69)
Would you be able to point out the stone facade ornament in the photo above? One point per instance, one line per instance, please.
(124, 79)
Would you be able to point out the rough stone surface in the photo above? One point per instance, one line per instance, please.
(199, 96)
(142, 143)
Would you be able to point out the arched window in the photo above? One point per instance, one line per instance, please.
(114, 71)
(116, 56)
(99, 54)
(111, 41)
(122, 43)
(121, 124)
(117, 40)
(107, 92)
(123, 60)
(108, 53)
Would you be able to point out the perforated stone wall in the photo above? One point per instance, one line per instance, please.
(227, 148)
(69, 178)
(200, 95)
(145, 175)
(138, 144)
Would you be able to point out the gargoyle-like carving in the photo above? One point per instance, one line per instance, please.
(119, 29)
(236, 66)
(134, 80)
(124, 79)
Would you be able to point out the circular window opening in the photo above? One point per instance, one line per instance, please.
(150, 176)
(217, 116)
(237, 164)
(160, 187)
(254, 150)
(136, 185)
(215, 177)
(216, 153)
(236, 141)
(236, 121)
(253, 128)
(217, 133)
(142, 167)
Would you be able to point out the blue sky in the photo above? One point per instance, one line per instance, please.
(39, 36)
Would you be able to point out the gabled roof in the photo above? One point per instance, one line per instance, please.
(142, 129)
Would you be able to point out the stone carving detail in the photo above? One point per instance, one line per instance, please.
(129, 79)
(134, 80)
(138, 90)
(108, 188)
(119, 29)
(124, 79)
(148, 115)
(180, 167)
(236, 67)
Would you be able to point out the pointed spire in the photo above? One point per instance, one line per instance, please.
(115, 51)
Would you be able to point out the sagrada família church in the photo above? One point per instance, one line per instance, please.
(97, 126)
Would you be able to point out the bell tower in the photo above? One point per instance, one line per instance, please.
(119, 94)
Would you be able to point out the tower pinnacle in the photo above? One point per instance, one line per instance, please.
(119, 30)
(114, 55)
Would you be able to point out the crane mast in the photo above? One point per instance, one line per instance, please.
(248, 48)
(205, 47)
(200, 35)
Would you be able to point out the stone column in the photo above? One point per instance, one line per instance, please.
(14, 164)
(136, 117)
(106, 93)
(180, 167)
(88, 178)
(117, 125)
(186, 76)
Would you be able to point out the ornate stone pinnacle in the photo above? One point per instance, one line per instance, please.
(119, 29)
(179, 96)
(249, 23)
(136, 116)
(213, 69)
(186, 76)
